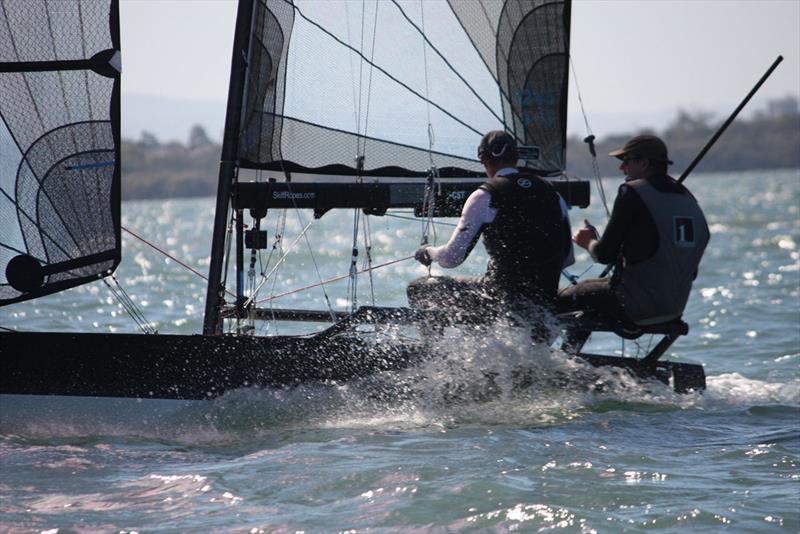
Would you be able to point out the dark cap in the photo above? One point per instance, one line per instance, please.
(498, 144)
(644, 146)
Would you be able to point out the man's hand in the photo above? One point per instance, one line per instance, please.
(422, 255)
(584, 237)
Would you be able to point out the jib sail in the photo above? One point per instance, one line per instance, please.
(59, 145)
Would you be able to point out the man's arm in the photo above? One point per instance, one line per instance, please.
(476, 213)
(606, 249)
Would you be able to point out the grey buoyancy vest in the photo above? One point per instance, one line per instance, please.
(529, 238)
(656, 290)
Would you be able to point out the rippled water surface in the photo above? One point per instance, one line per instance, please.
(396, 453)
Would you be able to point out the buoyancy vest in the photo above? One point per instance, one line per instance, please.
(656, 290)
(529, 237)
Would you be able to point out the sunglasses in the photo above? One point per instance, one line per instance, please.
(626, 160)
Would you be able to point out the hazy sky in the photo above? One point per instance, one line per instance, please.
(637, 61)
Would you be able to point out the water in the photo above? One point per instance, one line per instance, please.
(335, 458)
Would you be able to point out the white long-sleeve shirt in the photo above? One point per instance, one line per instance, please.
(477, 212)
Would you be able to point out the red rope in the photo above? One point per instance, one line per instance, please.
(322, 283)
(173, 258)
(330, 280)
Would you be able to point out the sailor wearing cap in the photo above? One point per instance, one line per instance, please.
(525, 229)
(656, 237)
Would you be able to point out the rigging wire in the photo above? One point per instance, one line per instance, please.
(352, 70)
(361, 147)
(590, 139)
(302, 234)
(381, 69)
(369, 81)
(428, 205)
(277, 246)
(228, 244)
(416, 219)
(352, 283)
(449, 65)
(368, 260)
(129, 305)
(429, 200)
(427, 85)
(278, 263)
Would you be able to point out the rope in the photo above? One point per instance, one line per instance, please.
(361, 148)
(251, 299)
(170, 256)
(360, 92)
(280, 228)
(369, 83)
(427, 91)
(590, 139)
(368, 261)
(415, 219)
(352, 69)
(129, 306)
(428, 204)
(225, 268)
(330, 280)
(352, 283)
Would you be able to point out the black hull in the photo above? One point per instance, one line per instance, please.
(176, 366)
(204, 367)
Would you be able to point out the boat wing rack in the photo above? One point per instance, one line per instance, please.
(377, 197)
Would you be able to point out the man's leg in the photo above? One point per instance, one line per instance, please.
(594, 296)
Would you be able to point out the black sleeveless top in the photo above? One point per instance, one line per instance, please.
(529, 238)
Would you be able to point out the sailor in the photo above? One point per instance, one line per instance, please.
(525, 229)
(656, 236)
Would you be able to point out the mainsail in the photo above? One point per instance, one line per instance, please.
(400, 86)
(59, 145)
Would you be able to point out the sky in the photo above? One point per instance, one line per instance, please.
(637, 61)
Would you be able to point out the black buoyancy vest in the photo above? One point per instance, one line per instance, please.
(529, 238)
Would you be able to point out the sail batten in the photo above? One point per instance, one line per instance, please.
(59, 133)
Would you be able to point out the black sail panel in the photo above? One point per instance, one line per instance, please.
(525, 45)
(264, 82)
(59, 139)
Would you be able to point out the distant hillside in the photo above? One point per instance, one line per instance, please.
(768, 140)
(154, 170)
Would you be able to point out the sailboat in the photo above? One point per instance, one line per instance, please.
(366, 106)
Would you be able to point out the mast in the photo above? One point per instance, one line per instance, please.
(227, 168)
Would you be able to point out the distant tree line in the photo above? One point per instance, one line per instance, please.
(151, 169)
(770, 139)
